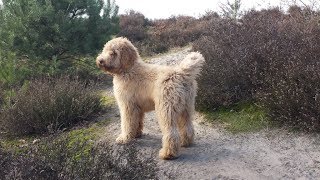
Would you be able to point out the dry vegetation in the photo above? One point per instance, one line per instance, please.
(267, 56)
(157, 36)
(48, 105)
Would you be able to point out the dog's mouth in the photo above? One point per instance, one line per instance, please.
(106, 67)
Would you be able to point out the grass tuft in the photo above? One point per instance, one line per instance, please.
(244, 117)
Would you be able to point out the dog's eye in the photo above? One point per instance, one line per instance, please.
(113, 53)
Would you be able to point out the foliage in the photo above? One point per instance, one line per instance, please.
(269, 56)
(133, 25)
(157, 36)
(11, 72)
(75, 154)
(56, 29)
(49, 36)
(48, 105)
(225, 79)
(231, 10)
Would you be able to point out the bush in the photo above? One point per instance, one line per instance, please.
(48, 105)
(292, 77)
(225, 78)
(133, 25)
(159, 36)
(176, 31)
(149, 47)
(268, 56)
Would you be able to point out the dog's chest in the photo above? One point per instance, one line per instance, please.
(136, 92)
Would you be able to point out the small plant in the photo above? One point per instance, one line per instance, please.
(48, 105)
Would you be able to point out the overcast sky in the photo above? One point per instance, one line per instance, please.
(165, 8)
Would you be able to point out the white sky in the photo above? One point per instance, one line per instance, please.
(165, 8)
(155, 9)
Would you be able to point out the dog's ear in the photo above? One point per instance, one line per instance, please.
(129, 54)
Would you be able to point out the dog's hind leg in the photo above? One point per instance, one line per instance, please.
(131, 123)
(168, 117)
(186, 127)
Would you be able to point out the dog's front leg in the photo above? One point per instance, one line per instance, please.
(131, 123)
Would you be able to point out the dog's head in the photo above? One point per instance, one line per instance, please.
(118, 56)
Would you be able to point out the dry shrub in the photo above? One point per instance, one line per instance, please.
(269, 56)
(150, 47)
(176, 31)
(157, 36)
(292, 79)
(133, 25)
(225, 77)
(48, 105)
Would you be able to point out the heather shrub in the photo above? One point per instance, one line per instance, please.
(179, 31)
(157, 36)
(48, 105)
(267, 56)
(150, 46)
(225, 78)
(133, 25)
(292, 82)
(176, 31)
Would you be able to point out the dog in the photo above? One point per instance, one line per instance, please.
(140, 87)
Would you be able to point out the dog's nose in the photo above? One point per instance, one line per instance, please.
(100, 61)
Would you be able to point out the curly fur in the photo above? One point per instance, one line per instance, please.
(140, 87)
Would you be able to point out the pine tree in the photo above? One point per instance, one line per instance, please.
(231, 10)
(47, 30)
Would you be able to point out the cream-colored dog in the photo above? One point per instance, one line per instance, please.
(140, 87)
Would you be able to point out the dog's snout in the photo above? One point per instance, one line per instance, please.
(100, 61)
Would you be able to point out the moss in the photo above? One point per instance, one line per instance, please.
(108, 101)
(102, 123)
(244, 117)
(77, 144)
(16, 146)
(80, 143)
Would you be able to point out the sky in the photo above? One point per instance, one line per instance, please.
(155, 9)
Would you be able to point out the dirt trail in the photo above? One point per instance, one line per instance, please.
(217, 154)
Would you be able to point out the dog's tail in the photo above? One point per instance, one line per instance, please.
(192, 64)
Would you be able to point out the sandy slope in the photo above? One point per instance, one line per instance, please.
(217, 154)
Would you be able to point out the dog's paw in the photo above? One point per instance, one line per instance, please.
(187, 142)
(168, 154)
(139, 134)
(123, 139)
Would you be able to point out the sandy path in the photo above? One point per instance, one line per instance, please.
(217, 154)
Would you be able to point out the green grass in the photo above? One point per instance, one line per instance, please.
(244, 117)
(77, 142)
(108, 100)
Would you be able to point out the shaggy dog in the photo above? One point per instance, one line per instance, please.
(140, 87)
